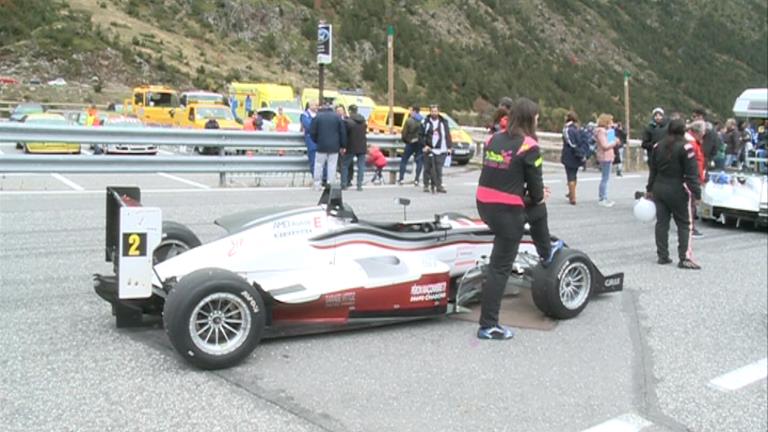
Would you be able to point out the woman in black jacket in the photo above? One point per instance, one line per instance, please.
(672, 183)
(572, 156)
(511, 190)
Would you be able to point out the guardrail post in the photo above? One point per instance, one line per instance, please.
(222, 175)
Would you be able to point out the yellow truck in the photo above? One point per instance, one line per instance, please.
(153, 105)
(195, 115)
(199, 96)
(262, 95)
(378, 120)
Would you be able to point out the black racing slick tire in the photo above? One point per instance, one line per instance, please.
(176, 239)
(562, 289)
(214, 318)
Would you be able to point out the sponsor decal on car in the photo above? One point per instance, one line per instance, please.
(428, 292)
(340, 299)
(296, 227)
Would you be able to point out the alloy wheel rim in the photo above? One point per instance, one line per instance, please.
(575, 285)
(219, 324)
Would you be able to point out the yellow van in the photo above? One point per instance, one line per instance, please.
(153, 105)
(312, 94)
(263, 95)
(364, 103)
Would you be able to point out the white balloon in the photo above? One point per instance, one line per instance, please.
(645, 210)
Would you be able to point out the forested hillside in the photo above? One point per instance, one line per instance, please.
(462, 54)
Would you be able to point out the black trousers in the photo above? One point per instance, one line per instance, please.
(433, 169)
(672, 200)
(506, 223)
(537, 220)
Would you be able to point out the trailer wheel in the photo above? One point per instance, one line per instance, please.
(562, 290)
(214, 318)
(177, 239)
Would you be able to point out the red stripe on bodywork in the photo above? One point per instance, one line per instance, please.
(385, 246)
(493, 196)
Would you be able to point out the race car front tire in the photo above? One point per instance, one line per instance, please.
(214, 318)
(562, 289)
(176, 239)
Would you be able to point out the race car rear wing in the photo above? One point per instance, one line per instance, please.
(132, 234)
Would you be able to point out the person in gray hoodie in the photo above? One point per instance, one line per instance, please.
(357, 146)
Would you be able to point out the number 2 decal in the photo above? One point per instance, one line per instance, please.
(134, 244)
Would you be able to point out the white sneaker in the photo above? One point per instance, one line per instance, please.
(605, 203)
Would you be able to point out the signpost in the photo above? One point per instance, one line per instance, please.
(627, 76)
(324, 53)
(391, 76)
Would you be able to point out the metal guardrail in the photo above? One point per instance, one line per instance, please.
(20, 132)
(293, 143)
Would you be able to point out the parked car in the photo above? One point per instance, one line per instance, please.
(130, 123)
(49, 147)
(58, 82)
(24, 109)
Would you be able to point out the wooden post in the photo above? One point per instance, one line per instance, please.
(391, 77)
(321, 83)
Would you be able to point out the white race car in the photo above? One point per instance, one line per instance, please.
(309, 270)
(737, 196)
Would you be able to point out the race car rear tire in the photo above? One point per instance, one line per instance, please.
(563, 289)
(214, 318)
(176, 239)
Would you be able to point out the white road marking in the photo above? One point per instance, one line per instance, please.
(741, 377)
(183, 180)
(622, 423)
(581, 179)
(613, 177)
(67, 182)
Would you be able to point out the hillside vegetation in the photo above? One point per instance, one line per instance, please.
(462, 54)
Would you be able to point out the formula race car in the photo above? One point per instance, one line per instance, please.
(738, 195)
(310, 270)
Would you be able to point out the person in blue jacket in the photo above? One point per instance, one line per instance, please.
(330, 133)
(310, 111)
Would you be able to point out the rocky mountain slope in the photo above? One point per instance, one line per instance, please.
(463, 54)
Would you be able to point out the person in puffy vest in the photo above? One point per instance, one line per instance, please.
(654, 132)
(378, 161)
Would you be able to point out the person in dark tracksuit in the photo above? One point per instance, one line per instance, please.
(410, 136)
(672, 183)
(510, 190)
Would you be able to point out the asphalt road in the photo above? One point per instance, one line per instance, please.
(644, 359)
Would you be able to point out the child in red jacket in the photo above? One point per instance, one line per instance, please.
(377, 160)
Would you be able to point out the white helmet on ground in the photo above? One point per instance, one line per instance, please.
(645, 210)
